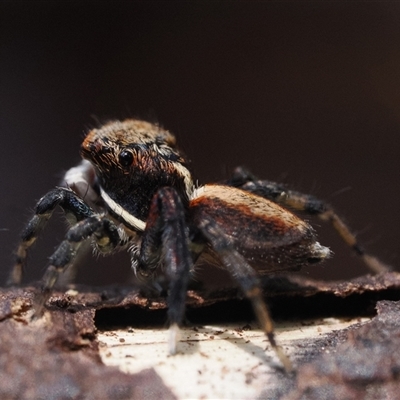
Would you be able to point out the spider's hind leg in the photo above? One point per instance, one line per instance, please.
(248, 281)
(308, 204)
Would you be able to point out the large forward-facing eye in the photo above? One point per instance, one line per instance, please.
(125, 158)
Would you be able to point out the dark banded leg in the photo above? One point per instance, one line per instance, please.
(75, 210)
(308, 204)
(248, 281)
(103, 230)
(166, 235)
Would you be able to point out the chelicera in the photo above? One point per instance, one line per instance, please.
(134, 191)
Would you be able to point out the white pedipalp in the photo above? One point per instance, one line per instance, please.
(81, 179)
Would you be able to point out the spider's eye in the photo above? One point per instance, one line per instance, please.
(125, 158)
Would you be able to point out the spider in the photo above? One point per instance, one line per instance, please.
(134, 191)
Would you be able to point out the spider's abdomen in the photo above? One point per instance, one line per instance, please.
(268, 235)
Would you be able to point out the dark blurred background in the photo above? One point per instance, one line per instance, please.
(304, 93)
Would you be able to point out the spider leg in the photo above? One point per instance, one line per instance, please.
(75, 209)
(107, 237)
(247, 279)
(166, 239)
(308, 204)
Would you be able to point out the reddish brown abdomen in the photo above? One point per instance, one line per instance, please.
(269, 236)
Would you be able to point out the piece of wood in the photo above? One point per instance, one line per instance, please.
(76, 350)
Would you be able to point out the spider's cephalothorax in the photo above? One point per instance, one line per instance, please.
(132, 160)
(134, 190)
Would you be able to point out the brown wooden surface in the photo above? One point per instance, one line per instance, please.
(111, 343)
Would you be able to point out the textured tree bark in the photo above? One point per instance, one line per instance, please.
(111, 343)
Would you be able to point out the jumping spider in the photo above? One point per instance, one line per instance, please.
(134, 191)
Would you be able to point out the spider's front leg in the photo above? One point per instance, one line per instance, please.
(308, 204)
(165, 240)
(107, 236)
(75, 209)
